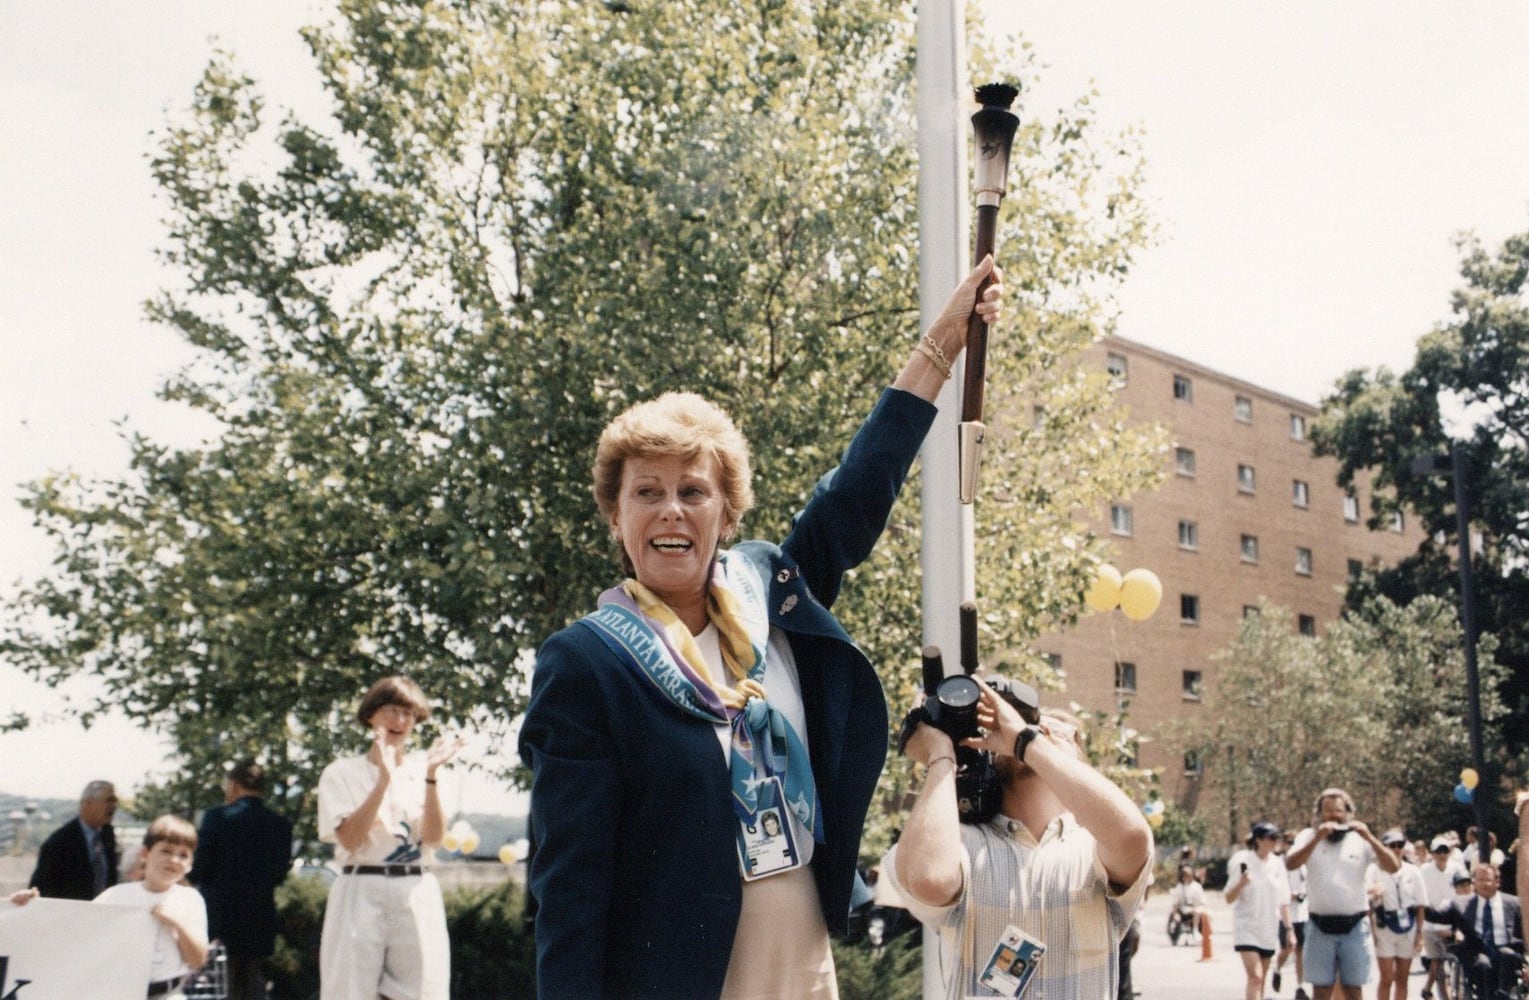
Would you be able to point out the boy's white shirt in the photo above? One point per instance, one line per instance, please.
(181, 903)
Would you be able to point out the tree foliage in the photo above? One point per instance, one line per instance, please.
(1379, 421)
(1376, 705)
(415, 315)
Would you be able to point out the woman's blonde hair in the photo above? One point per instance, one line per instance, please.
(680, 424)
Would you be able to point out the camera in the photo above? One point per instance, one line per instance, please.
(950, 705)
(1337, 834)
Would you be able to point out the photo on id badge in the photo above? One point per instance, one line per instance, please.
(766, 845)
(1012, 963)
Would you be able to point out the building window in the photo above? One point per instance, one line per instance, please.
(1054, 660)
(1118, 367)
(1038, 417)
(1303, 561)
(1183, 389)
(1398, 523)
(1189, 535)
(1350, 508)
(1250, 548)
(1189, 609)
(1249, 610)
(1243, 408)
(1125, 678)
(1192, 685)
(1194, 766)
(1355, 569)
(1245, 480)
(1184, 461)
(1297, 427)
(1306, 624)
(1120, 519)
(1300, 493)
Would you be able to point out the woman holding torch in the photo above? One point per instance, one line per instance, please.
(710, 686)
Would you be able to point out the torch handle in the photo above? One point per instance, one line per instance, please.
(975, 376)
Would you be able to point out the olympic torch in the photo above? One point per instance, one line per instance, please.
(994, 125)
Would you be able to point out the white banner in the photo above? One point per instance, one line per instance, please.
(63, 949)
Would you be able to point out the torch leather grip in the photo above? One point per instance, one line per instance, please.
(975, 370)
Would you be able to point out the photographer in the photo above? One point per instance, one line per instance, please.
(1066, 860)
(1337, 852)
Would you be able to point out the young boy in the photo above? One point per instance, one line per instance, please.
(180, 947)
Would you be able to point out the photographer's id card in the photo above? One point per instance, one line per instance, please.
(1012, 963)
(766, 845)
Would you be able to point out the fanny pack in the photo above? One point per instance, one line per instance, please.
(1397, 921)
(1336, 923)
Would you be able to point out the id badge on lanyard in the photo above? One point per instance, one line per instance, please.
(1013, 962)
(767, 845)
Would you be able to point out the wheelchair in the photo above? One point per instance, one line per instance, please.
(1182, 924)
(1501, 983)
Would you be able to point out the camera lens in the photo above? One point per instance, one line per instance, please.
(958, 697)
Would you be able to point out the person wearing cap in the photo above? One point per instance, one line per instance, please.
(1066, 860)
(1488, 925)
(1399, 901)
(1337, 851)
(1259, 891)
(1438, 875)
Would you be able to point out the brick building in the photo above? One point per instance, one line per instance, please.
(1245, 512)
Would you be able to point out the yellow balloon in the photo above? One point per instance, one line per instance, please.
(1140, 594)
(470, 842)
(507, 854)
(450, 841)
(1155, 819)
(1104, 593)
(1469, 778)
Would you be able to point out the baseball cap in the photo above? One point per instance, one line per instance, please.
(1265, 830)
(1393, 837)
(1461, 877)
(1439, 844)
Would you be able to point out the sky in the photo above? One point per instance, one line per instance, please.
(1309, 166)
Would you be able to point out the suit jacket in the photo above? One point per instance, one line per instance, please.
(636, 874)
(243, 852)
(63, 862)
(1462, 914)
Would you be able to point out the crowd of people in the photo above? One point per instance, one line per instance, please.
(1353, 908)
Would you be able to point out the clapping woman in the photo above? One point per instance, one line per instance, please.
(385, 924)
(709, 686)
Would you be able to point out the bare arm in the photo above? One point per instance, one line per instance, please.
(1100, 807)
(433, 828)
(193, 950)
(929, 851)
(1384, 856)
(921, 375)
(352, 831)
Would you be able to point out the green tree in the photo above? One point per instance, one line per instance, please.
(1379, 421)
(415, 316)
(1375, 705)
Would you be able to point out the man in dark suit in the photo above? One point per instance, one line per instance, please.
(79, 859)
(1489, 931)
(243, 853)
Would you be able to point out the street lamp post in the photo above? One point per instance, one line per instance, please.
(1453, 465)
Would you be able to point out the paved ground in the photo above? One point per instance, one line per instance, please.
(1162, 971)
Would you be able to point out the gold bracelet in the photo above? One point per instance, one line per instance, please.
(929, 349)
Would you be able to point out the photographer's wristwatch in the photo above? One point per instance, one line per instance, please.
(1023, 740)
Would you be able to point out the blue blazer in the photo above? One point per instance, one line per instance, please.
(243, 852)
(636, 876)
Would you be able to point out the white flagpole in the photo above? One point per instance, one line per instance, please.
(944, 222)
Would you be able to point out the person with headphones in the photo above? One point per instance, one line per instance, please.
(1337, 851)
